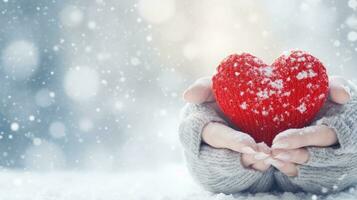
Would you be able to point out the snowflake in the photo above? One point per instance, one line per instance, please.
(278, 84)
(243, 105)
(267, 71)
(263, 94)
(302, 108)
(306, 74)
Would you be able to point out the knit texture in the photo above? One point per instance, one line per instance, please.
(328, 170)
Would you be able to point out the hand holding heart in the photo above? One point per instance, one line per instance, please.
(288, 149)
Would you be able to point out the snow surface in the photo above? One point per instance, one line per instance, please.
(168, 183)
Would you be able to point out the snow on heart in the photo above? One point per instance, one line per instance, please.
(263, 100)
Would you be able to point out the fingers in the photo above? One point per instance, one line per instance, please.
(288, 168)
(264, 153)
(200, 91)
(287, 161)
(319, 135)
(339, 92)
(248, 160)
(256, 161)
(221, 136)
(298, 156)
(264, 147)
(261, 166)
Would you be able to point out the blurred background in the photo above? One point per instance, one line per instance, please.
(96, 84)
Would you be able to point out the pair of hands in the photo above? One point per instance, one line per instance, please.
(289, 147)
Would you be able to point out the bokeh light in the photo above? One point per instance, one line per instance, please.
(20, 59)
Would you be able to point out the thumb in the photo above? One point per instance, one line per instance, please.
(200, 91)
(339, 91)
(319, 135)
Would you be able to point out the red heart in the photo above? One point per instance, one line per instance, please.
(263, 100)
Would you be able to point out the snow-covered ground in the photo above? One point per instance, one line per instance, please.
(169, 183)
